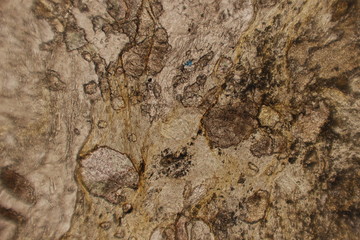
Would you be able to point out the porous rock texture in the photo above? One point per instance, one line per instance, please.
(179, 120)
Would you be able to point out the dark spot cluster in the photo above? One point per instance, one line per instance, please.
(175, 164)
(342, 206)
(222, 221)
(344, 190)
(243, 79)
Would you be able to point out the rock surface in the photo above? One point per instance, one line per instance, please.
(179, 120)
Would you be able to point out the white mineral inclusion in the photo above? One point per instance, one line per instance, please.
(198, 230)
(157, 235)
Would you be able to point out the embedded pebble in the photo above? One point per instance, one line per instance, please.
(90, 87)
(105, 225)
(106, 171)
(102, 124)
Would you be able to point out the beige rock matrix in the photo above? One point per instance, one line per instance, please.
(179, 120)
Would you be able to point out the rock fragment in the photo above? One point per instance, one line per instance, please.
(163, 234)
(90, 87)
(308, 126)
(180, 226)
(185, 229)
(75, 38)
(53, 82)
(199, 230)
(268, 117)
(254, 207)
(230, 124)
(117, 103)
(105, 172)
(135, 59)
(120, 234)
(204, 60)
(253, 167)
(102, 124)
(127, 208)
(132, 137)
(159, 49)
(105, 225)
(86, 56)
(263, 146)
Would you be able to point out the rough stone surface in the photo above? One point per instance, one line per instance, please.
(179, 120)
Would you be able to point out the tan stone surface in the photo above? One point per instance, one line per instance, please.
(179, 120)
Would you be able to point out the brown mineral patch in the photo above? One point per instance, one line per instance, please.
(228, 125)
(11, 215)
(341, 8)
(18, 185)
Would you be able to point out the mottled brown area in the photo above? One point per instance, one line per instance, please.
(263, 146)
(11, 215)
(344, 192)
(222, 221)
(342, 8)
(18, 185)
